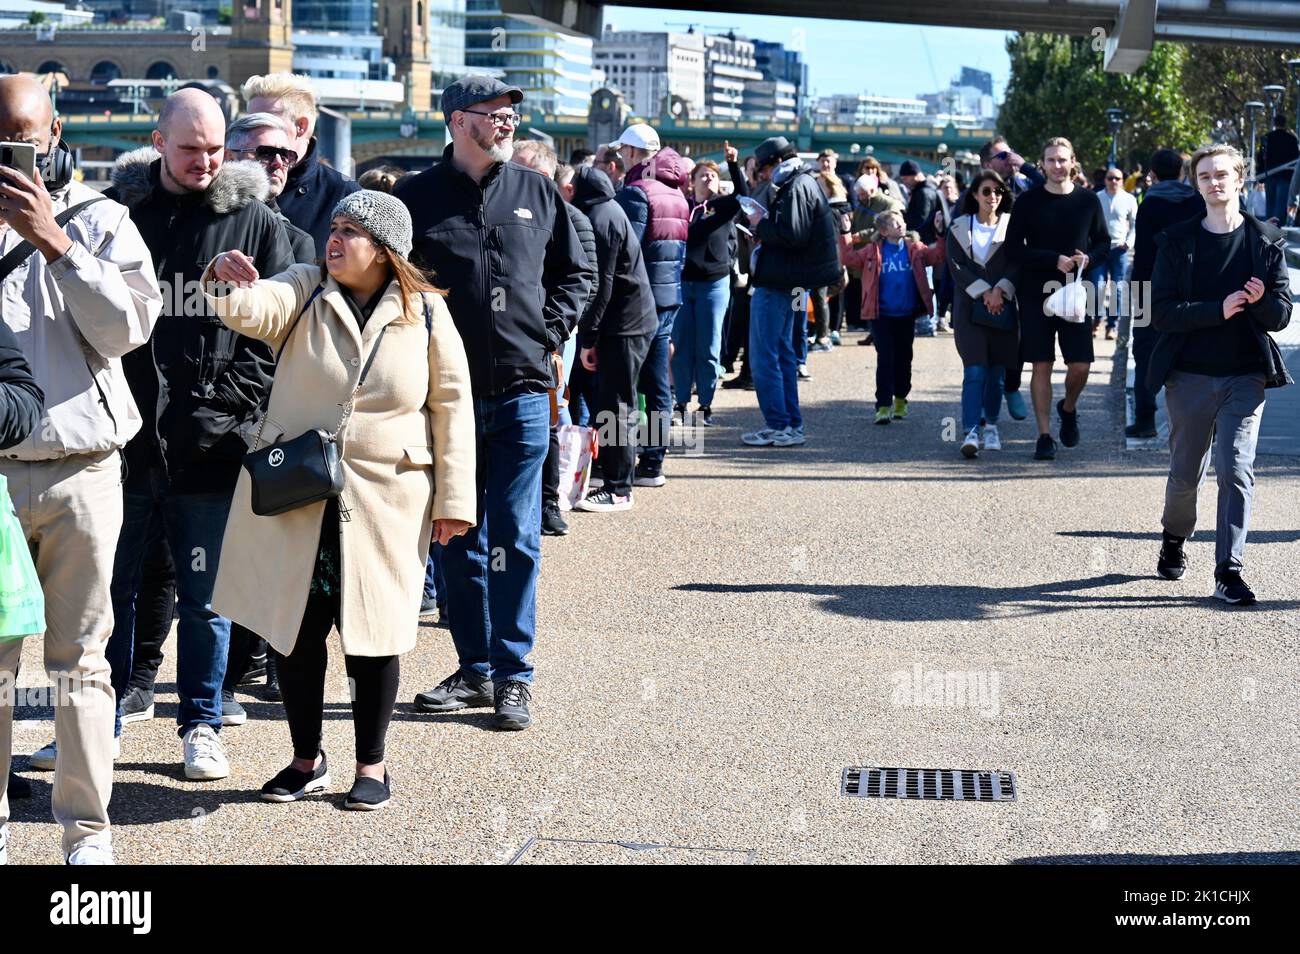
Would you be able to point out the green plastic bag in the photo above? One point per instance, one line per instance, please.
(22, 602)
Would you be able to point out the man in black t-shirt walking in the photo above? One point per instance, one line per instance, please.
(1220, 285)
(1055, 231)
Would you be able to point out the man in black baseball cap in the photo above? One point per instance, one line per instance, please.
(498, 239)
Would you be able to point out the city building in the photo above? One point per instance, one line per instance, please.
(729, 65)
(863, 109)
(652, 70)
(778, 64)
(771, 101)
(17, 13)
(552, 65)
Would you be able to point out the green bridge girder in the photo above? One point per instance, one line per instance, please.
(422, 132)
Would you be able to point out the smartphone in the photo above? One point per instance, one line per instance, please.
(20, 156)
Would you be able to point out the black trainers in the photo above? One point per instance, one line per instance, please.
(1232, 589)
(704, 416)
(456, 692)
(679, 415)
(1141, 430)
(272, 689)
(137, 705)
(18, 786)
(553, 524)
(256, 670)
(1045, 449)
(1172, 562)
(512, 706)
(369, 794)
(232, 713)
(739, 382)
(1069, 424)
(645, 477)
(292, 784)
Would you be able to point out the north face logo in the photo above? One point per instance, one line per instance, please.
(524, 213)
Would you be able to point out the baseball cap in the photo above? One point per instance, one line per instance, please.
(474, 89)
(828, 154)
(639, 135)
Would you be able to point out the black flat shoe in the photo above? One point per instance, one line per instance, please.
(292, 784)
(369, 794)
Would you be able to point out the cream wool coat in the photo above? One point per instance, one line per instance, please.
(407, 452)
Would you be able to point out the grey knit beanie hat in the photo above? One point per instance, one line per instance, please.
(384, 217)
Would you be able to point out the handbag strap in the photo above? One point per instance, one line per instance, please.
(23, 250)
(266, 401)
(347, 408)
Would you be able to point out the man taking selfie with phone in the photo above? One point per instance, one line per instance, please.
(79, 292)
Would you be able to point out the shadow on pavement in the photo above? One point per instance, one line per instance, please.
(907, 603)
(1219, 858)
(1203, 536)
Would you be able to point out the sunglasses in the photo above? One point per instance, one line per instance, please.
(1004, 154)
(1114, 179)
(989, 190)
(269, 154)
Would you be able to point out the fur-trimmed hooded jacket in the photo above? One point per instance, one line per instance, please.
(198, 383)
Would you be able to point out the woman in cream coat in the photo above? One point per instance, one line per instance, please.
(407, 453)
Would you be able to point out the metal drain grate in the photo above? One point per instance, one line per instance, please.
(956, 785)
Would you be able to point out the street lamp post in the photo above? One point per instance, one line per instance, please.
(1294, 67)
(1115, 119)
(1253, 109)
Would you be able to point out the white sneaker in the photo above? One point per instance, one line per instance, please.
(789, 437)
(992, 440)
(764, 438)
(205, 758)
(970, 447)
(91, 853)
(43, 759)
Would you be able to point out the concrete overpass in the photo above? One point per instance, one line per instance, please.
(1127, 28)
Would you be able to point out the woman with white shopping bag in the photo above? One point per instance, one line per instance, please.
(1057, 229)
(368, 361)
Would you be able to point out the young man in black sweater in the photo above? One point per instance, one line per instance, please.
(1220, 285)
(1055, 231)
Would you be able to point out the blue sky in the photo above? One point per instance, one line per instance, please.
(850, 56)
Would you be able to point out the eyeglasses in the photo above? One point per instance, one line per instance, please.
(1114, 179)
(989, 190)
(499, 119)
(269, 154)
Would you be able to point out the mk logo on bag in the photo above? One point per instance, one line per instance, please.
(275, 458)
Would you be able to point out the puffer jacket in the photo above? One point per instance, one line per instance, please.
(74, 319)
(621, 303)
(198, 384)
(799, 237)
(655, 203)
(586, 238)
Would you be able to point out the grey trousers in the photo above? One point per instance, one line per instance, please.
(1219, 417)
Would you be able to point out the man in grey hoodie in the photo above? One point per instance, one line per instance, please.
(1167, 202)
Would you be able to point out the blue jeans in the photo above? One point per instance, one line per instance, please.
(799, 331)
(697, 339)
(981, 395)
(435, 586)
(772, 359)
(491, 572)
(1115, 268)
(653, 383)
(193, 525)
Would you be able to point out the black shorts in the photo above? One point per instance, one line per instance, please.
(1039, 334)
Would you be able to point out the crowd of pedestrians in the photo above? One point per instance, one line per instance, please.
(274, 402)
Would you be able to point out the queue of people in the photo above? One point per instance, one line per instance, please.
(291, 403)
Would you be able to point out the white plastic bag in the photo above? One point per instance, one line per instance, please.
(1069, 302)
(578, 448)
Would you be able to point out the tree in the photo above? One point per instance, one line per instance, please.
(1059, 88)
(1225, 78)
(36, 18)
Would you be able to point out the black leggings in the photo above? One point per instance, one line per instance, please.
(371, 679)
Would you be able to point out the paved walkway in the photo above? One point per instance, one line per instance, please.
(711, 661)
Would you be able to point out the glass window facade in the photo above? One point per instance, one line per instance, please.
(552, 66)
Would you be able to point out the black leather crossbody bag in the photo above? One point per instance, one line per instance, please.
(306, 469)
